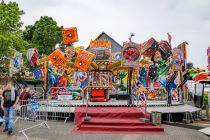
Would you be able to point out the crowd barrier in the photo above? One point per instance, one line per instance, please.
(31, 114)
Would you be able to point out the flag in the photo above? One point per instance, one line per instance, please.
(169, 38)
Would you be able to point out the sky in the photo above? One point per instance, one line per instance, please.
(185, 20)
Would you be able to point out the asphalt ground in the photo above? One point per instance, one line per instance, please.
(62, 131)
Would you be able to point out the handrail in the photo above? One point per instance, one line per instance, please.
(138, 104)
(145, 100)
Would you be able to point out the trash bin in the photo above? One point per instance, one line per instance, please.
(156, 118)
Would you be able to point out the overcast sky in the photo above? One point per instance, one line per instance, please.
(185, 20)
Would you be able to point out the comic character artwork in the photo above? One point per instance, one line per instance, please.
(130, 54)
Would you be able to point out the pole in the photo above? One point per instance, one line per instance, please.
(145, 108)
(181, 94)
(129, 85)
(169, 95)
(46, 79)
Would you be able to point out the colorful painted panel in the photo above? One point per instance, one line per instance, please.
(37, 73)
(165, 49)
(101, 54)
(70, 35)
(130, 54)
(149, 47)
(178, 59)
(83, 60)
(32, 56)
(58, 59)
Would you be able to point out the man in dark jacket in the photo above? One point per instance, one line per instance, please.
(9, 102)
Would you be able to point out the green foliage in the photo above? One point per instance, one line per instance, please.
(205, 98)
(10, 17)
(44, 34)
(10, 33)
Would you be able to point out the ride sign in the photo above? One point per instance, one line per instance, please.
(65, 94)
(34, 106)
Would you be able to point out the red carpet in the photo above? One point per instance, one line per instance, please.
(120, 120)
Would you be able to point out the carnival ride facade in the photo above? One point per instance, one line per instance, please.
(152, 67)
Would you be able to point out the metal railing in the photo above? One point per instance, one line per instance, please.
(36, 113)
(30, 115)
(87, 118)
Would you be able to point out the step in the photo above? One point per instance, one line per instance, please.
(111, 112)
(75, 131)
(90, 127)
(110, 121)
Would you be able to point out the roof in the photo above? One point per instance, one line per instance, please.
(115, 46)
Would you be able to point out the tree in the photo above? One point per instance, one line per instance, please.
(10, 33)
(43, 35)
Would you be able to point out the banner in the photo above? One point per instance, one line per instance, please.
(34, 106)
(65, 94)
(15, 63)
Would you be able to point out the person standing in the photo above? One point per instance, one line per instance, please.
(9, 102)
(25, 96)
(24, 100)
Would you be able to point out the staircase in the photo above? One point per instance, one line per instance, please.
(124, 120)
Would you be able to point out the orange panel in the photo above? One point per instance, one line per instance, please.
(58, 59)
(70, 35)
(83, 60)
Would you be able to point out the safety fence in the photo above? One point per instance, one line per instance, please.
(31, 114)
